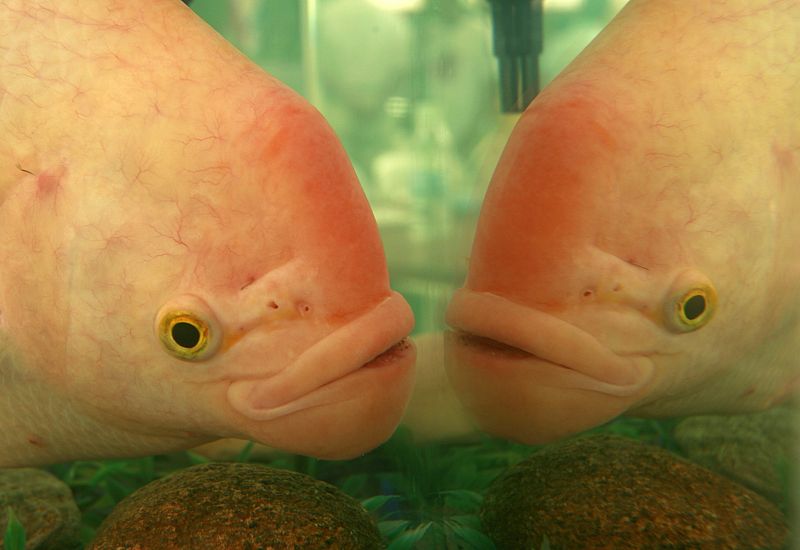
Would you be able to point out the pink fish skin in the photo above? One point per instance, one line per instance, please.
(637, 247)
(185, 251)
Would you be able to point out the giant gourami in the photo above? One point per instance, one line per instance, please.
(185, 250)
(637, 249)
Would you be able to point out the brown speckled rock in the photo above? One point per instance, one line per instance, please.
(755, 450)
(237, 506)
(611, 492)
(43, 505)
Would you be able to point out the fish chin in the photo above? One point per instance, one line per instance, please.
(399, 359)
(528, 376)
(518, 396)
(343, 418)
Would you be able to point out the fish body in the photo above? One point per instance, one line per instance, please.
(185, 251)
(637, 249)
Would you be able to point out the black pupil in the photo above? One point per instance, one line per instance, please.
(694, 307)
(186, 335)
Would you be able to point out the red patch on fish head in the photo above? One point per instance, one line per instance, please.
(576, 178)
(293, 194)
(553, 186)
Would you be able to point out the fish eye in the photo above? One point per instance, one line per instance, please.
(691, 303)
(185, 334)
(187, 329)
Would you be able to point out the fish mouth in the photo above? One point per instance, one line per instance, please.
(395, 352)
(492, 330)
(374, 344)
(492, 347)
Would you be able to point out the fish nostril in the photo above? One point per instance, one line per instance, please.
(286, 309)
(610, 291)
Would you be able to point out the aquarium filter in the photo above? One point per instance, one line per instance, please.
(517, 30)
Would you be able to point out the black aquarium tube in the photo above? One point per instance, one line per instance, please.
(517, 41)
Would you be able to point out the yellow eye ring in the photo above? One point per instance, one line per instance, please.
(692, 304)
(188, 329)
(183, 335)
(692, 310)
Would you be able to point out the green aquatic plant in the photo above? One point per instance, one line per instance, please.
(14, 536)
(435, 491)
(456, 525)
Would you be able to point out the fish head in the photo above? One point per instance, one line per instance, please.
(633, 255)
(282, 305)
(197, 261)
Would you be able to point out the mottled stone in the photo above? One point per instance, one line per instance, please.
(44, 506)
(612, 492)
(237, 506)
(755, 450)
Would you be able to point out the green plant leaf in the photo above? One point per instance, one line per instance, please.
(464, 500)
(14, 537)
(307, 465)
(104, 470)
(470, 521)
(195, 458)
(244, 454)
(149, 469)
(117, 490)
(389, 529)
(408, 539)
(473, 538)
(373, 504)
(354, 484)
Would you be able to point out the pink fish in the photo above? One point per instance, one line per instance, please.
(185, 250)
(637, 250)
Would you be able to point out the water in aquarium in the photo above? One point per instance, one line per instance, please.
(458, 274)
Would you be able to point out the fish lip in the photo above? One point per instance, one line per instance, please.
(400, 357)
(386, 356)
(490, 345)
(378, 339)
(488, 321)
(498, 350)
